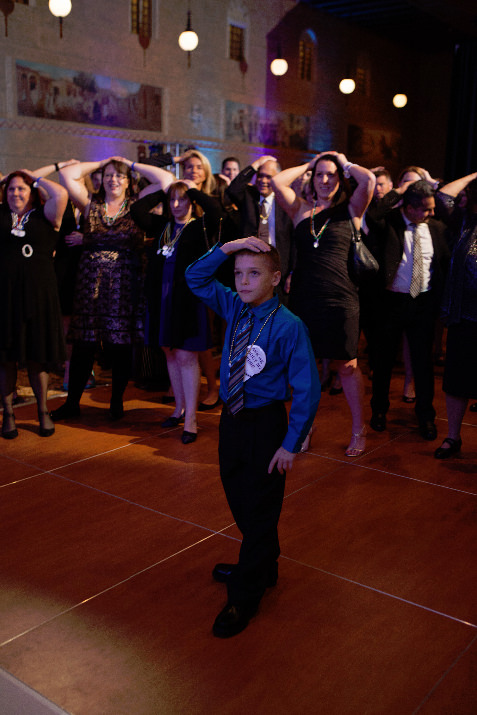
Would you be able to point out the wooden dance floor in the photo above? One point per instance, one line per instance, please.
(109, 534)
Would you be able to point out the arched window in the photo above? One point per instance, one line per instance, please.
(306, 55)
(237, 21)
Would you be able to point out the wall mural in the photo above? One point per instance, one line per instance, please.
(255, 125)
(374, 147)
(54, 93)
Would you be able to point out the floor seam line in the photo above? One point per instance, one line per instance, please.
(381, 592)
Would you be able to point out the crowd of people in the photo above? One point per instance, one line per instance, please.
(122, 257)
(118, 292)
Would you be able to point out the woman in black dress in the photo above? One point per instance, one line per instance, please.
(459, 307)
(322, 292)
(177, 321)
(30, 317)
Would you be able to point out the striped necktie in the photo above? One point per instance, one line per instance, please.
(263, 231)
(237, 363)
(417, 268)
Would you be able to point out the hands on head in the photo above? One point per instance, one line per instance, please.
(262, 160)
(251, 243)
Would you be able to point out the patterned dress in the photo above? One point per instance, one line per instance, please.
(108, 304)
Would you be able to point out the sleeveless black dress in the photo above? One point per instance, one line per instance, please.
(322, 293)
(31, 326)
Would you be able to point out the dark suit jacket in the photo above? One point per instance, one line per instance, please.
(391, 249)
(247, 199)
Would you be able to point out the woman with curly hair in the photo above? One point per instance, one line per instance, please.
(108, 303)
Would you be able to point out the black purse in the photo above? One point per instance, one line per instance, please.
(362, 265)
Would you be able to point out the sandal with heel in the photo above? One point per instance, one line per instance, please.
(358, 443)
(307, 441)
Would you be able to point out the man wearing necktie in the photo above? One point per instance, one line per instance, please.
(261, 216)
(266, 351)
(413, 263)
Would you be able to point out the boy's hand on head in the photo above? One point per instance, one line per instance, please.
(282, 460)
(252, 243)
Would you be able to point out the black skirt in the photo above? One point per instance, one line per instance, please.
(460, 376)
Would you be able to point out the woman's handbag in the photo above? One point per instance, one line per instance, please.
(362, 265)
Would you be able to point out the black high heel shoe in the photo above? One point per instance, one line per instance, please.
(188, 437)
(45, 431)
(453, 447)
(9, 433)
(173, 421)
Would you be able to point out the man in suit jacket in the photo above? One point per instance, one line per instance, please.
(260, 214)
(413, 262)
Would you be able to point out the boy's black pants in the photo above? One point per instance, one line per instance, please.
(247, 443)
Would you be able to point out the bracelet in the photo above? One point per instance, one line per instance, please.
(57, 168)
(346, 168)
(132, 166)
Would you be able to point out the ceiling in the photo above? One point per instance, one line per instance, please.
(435, 21)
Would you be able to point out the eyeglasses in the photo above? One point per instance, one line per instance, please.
(119, 177)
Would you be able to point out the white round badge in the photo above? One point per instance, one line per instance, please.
(256, 361)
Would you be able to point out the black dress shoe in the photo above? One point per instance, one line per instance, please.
(203, 406)
(428, 430)
(446, 452)
(378, 422)
(233, 619)
(116, 412)
(172, 421)
(65, 412)
(222, 573)
(188, 437)
(473, 407)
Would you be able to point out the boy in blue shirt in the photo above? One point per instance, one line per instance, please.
(266, 350)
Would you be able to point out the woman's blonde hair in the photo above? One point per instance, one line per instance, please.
(208, 187)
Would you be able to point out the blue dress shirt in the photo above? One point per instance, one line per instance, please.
(289, 357)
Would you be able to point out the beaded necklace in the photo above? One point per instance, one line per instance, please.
(109, 220)
(315, 235)
(168, 246)
(249, 347)
(18, 223)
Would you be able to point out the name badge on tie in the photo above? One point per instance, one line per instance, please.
(256, 361)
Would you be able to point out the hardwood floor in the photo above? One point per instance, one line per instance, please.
(109, 534)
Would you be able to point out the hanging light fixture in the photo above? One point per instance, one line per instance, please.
(279, 66)
(188, 40)
(400, 100)
(60, 8)
(347, 86)
(7, 7)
